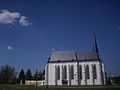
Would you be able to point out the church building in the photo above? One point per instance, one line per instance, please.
(74, 68)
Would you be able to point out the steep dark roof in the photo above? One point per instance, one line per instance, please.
(67, 56)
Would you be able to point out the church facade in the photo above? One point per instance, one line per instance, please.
(74, 68)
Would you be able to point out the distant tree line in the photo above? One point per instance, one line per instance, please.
(8, 75)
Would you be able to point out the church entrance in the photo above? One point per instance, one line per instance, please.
(64, 82)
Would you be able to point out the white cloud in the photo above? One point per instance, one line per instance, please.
(10, 47)
(8, 17)
(24, 21)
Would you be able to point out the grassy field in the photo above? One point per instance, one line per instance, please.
(18, 87)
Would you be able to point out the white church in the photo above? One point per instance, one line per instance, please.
(74, 68)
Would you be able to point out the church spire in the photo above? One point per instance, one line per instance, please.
(95, 46)
(96, 50)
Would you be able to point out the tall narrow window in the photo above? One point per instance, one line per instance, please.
(80, 71)
(87, 74)
(55, 73)
(57, 70)
(72, 71)
(64, 72)
(58, 76)
(94, 71)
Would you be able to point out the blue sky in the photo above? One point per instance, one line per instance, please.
(30, 30)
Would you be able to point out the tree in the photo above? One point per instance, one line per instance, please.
(21, 77)
(43, 75)
(39, 75)
(28, 75)
(7, 74)
(36, 75)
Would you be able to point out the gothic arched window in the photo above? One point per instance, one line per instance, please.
(80, 71)
(57, 70)
(72, 72)
(64, 72)
(87, 74)
(94, 71)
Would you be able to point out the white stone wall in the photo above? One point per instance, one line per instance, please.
(51, 73)
(35, 83)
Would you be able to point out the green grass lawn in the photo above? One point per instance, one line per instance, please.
(18, 87)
